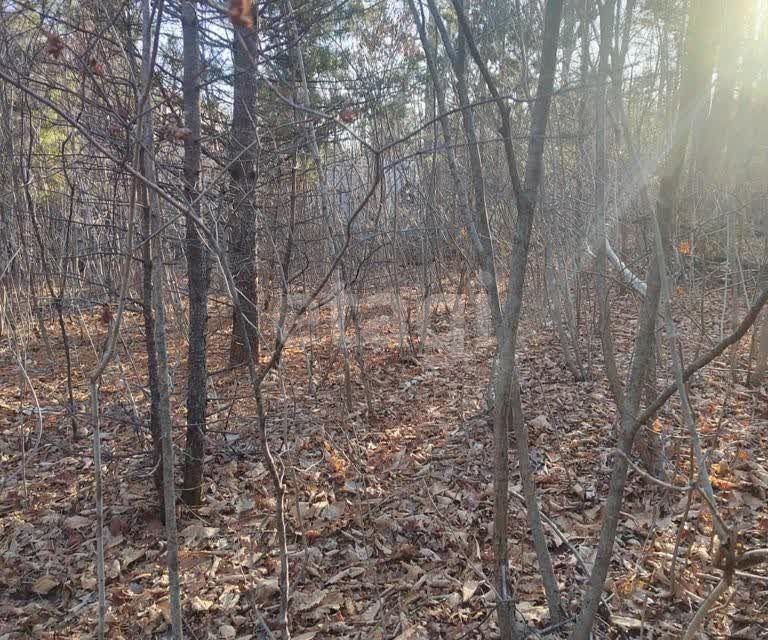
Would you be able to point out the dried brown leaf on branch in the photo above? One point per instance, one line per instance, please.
(241, 13)
(182, 134)
(347, 115)
(54, 46)
(97, 68)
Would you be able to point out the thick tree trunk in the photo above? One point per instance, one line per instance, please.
(244, 156)
(197, 268)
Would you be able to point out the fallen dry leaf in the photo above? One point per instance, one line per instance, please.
(468, 589)
(44, 585)
(263, 589)
(227, 631)
(199, 604)
(76, 522)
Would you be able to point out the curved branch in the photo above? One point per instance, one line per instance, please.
(704, 360)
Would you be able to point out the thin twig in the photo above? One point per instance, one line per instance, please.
(650, 478)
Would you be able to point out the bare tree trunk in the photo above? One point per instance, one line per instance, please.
(731, 292)
(197, 267)
(757, 375)
(149, 339)
(426, 300)
(354, 312)
(761, 359)
(480, 223)
(601, 177)
(650, 445)
(507, 395)
(474, 213)
(33, 297)
(727, 543)
(568, 38)
(244, 153)
(691, 90)
(149, 47)
(93, 386)
(566, 334)
(341, 324)
(169, 489)
(467, 212)
(56, 300)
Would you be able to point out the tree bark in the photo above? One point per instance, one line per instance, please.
(151, 349)
(197, 267)
(244, 154)
(607, 9)
(149, 46)
(757, 375)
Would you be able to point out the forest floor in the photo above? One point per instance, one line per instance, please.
(389, 515)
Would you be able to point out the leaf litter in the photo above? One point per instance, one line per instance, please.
(389, 514)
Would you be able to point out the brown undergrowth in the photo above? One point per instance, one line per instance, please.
(389, 513)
